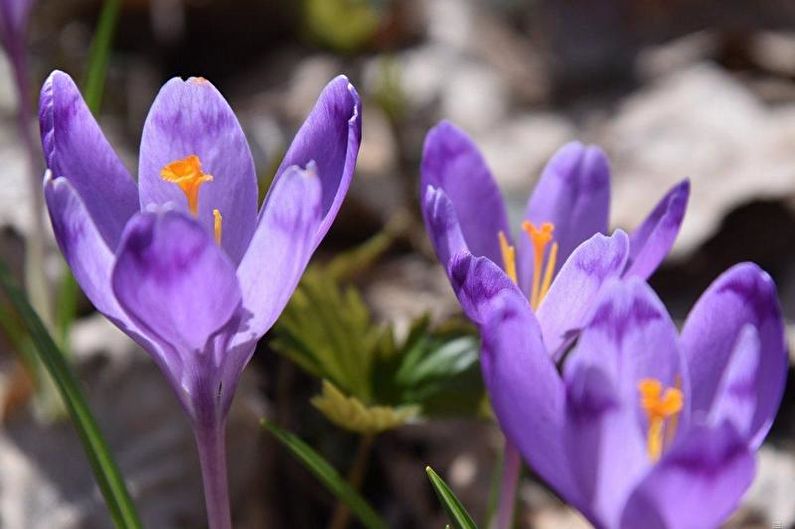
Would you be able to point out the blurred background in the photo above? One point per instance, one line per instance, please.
(703, 89)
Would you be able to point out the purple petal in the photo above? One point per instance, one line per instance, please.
(451, 162)
(524, 387)
(477, 282)
(735, 400)
(14, 17)
(570, 299)
(574, 195)
(697, 485)
(630, 337)
(75, 148)
(743, 295)
(192, 118)
(330, 137)
(280, 249)
(652, 240)
(91, 262)
(175, 283)
(441, 223)
(82, 245)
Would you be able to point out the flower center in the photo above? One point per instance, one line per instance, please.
(541, 237)
(188, 175)
(662, 409)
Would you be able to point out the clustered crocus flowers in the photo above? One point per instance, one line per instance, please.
(464, 211)
(631, 422)
(182, 261)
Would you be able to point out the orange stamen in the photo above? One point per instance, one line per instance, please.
(659, 407)
(540, 237)
(508, 257)
(217, 225)
(188, 175)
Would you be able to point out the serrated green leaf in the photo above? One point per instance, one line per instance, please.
(455, 510)
(351, 414)
(328, 331)
(328, 476)
(106, 471)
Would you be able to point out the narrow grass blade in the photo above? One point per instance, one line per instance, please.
(330, 478)
(105, 469)
(99, 55)
(455, 511)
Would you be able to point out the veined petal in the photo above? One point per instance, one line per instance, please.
(574, 195)
(193, 118)
(280, 249)
(478, 282)
(697, 485)
(652, 240)
(630, 337)
(82, 245)
(91, 262)
(451, 162)
(743, 295)
(75, 148)
(175, 283)
(330, 137)
(735, 400)
(525, 389)
(441, 223)
(570, 300)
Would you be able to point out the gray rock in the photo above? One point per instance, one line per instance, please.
(703, 124)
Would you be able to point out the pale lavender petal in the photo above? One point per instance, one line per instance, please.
(735, 400)
(696, 485)
(451, 162)
(743, 295)
(75, 148)
(574, 195)
(525, 390)
(193, 118)
(330, 137)
(441, 223)
(570, 299)
(630, 337)
(175, 283)
(652, 240)
(280, 249)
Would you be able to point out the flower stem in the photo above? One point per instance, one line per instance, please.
(342, 514)
(211, 444)
(511, 467)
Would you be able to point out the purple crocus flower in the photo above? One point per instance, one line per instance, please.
(183, 262)
(561, 265)
(14, 18)
(642, 426)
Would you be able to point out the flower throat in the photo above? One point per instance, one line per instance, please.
(188, 175)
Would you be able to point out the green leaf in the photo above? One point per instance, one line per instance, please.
(455, 510)
(329, 477)
(106, 471)
(100, 53)
(328, 331)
